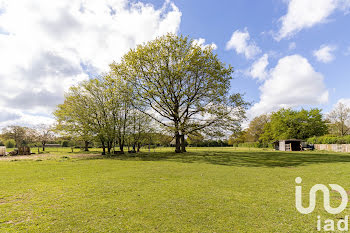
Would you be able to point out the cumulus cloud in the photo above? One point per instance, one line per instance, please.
(344, 101)
(258, 69)
(307, 13)
(241, 43)
(48, 46)
(324, 53)
(201, 42)
(292, 83)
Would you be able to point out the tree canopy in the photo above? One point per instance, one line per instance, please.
(102, 109)
(182, 86)
(294, 124)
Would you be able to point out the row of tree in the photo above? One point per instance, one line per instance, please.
(297, 124)
(40, 136)
(170, 85)
(18, 136)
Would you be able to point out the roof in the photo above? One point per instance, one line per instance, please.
(292, 140)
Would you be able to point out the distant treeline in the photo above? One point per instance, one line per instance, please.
(253, 145)
(210, 143)
(308, 125)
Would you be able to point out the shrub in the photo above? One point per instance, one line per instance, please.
(10, 143)
(65, 144)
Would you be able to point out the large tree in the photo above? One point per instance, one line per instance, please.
(294, 124)
(183, 86)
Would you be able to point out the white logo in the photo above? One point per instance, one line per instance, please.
(312, 203)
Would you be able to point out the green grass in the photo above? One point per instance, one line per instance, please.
(204, 190)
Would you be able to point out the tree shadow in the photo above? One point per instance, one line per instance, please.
(243, 159)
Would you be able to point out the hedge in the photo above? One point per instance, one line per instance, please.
(329, 140)
(253, 145)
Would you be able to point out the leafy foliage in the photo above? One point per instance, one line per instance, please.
(329, 139)
(256, 128)
(183, 85)
(10, 143)
(288, 124)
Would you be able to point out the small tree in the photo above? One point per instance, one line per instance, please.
(44, 134)
(340, 120)
(17, 133)
(256, 128)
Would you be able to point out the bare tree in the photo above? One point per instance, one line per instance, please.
(340, 119)
(44, 134)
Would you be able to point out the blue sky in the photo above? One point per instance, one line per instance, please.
(217, 22)
(286, 53)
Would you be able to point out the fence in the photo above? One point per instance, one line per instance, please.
(333, 147)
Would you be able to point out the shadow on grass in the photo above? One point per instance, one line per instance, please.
(243, 159)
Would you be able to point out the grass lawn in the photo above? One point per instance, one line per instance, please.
(204, 190)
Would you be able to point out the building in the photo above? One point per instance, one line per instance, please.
(289, 145)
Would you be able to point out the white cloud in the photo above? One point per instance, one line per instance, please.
(201, 42)
(258, 69)
(47, 46)
(241, 43)
(307, 13)
(292, 46)
(17, 117)
(324, 54)
(344, 101)
(292, 83)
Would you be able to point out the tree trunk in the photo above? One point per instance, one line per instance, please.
(103, 148)
(183, 143)
(121, 145)
(109, 147)
(138, 147)
(86, 146)
(178, 143)
(43, 146)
